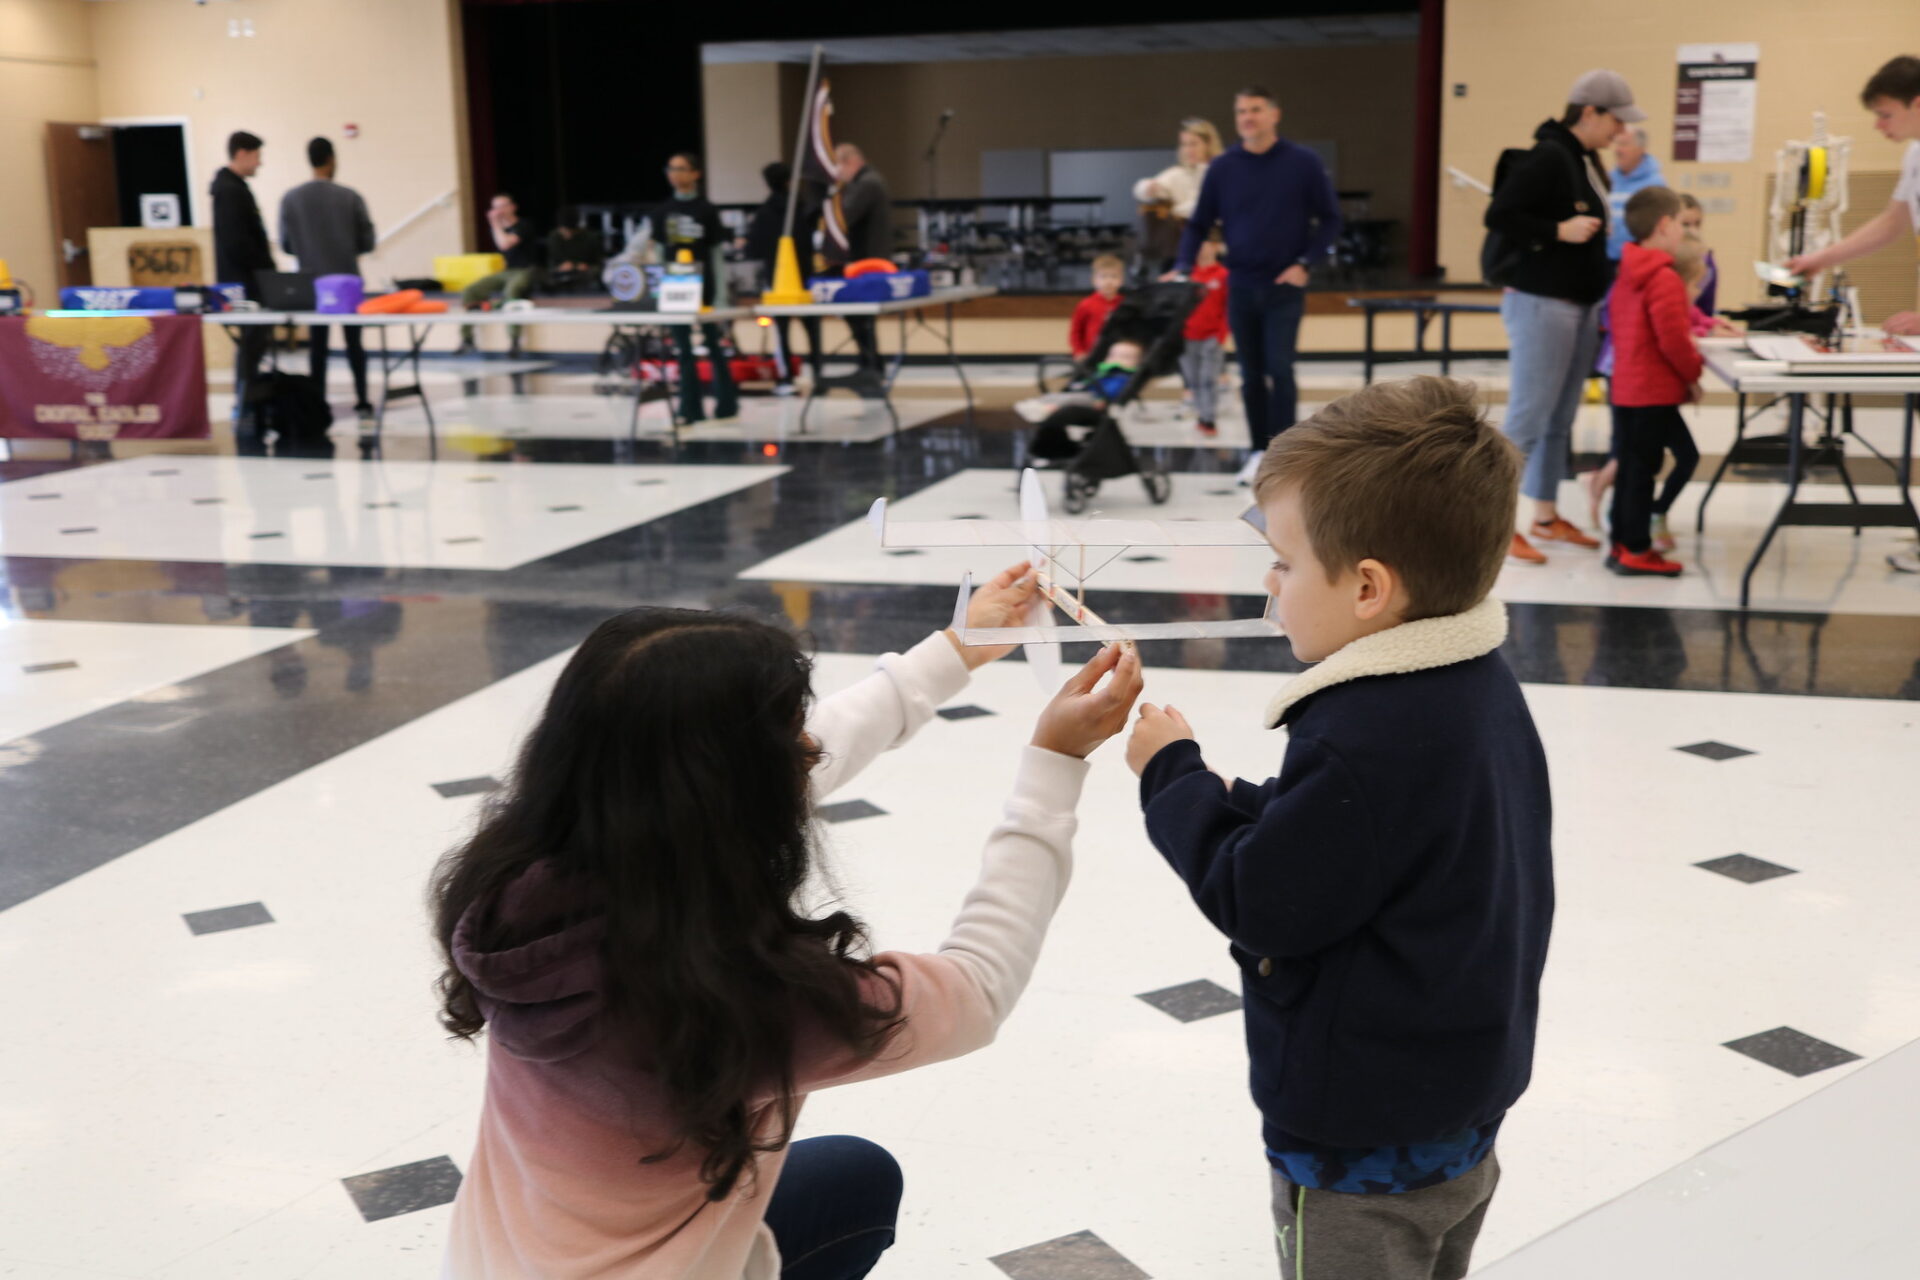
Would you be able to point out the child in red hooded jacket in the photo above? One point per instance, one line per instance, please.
(1656, 369)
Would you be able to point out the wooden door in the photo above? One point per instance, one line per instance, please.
(80, 178)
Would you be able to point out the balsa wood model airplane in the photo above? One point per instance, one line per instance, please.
(1078, 549)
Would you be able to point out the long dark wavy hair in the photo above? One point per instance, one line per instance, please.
(668, 779)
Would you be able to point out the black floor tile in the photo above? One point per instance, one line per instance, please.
(85, 528)
(1192, 1001)
(1746, 868)
(1080, 1256)
(466, 787)
(221, 919)
(848, 811)
(1715, 751)
(962, 713)
(1793, 1052)
(40, 667)
(407, 1188)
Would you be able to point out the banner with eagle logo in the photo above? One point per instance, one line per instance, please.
(106, 377)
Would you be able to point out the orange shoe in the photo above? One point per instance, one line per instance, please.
(1524, 552)
(1559, 529)
(1641, 564)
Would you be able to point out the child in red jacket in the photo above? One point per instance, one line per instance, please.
(1206, 334)
(1656, 368)
(1083, 334)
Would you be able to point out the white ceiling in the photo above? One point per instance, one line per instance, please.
(1190, 37)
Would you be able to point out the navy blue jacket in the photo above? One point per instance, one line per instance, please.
(1388, 898)
(1275, 209)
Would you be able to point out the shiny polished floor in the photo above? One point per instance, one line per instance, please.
(226, 767)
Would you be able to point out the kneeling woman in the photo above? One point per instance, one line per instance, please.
(627, 926)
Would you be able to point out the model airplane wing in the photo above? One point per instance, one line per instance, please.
(1088, 625)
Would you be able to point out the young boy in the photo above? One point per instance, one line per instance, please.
(1655, 368)
(1109, 277)
(1388, 897)
(1206, 334)
(1082, 407)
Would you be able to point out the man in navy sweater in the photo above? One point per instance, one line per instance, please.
(1276, 205)
(1388, 897)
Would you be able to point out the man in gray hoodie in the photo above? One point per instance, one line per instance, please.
(326, 226)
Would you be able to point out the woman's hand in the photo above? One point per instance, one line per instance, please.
(1001, 603)
(1156, 727)
(1081, 716)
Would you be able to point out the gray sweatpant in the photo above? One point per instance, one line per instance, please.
(1420, 1235)
(1200, 363)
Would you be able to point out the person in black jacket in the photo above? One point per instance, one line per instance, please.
(1388, 897)
(241, 251)
(868, 210)
(1551, 210)
(761, 244)
(687, 220)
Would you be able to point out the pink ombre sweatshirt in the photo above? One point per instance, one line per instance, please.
(555, 1189)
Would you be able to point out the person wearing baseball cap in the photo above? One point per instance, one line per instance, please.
(1547, 245)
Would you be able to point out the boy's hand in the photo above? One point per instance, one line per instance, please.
(1155, 728)
(1081, 717)
(1002, 602)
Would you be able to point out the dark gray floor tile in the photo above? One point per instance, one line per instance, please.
(647, 483)
(1080, 1256)
(1715, 751)
(1794, 1052)
(165, 471)
(221, 919)
(1191, 1001)
(380, 506)
(1144, 559)
(569, 507)
(848, 811)
(85, 528)
(482, 479)
(319, 475)
(452, 542)
(466, 787)
(1746, 868)
(268, 534)
(39, 667)
(208, 502)
(406, 1188)
(962, 713)
(41, 497)
(906, 551)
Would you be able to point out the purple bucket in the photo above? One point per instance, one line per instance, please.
(338, 295)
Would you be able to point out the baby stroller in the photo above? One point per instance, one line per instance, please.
(1153, 317)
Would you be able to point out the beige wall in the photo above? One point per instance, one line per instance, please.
(311, 67)
(1517, 58)
(742, 113)
(46, 74)
(1361, 98)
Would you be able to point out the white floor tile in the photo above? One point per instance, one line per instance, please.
(117, 661)
(381, 514)
(1805, 570)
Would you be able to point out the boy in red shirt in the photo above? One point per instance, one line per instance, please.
(1656, 368)
(1206, 334)
(1109, 277)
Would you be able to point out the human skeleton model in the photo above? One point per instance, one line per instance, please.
(1063, 547)
(1809, 199)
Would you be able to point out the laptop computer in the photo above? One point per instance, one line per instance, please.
(284, 290)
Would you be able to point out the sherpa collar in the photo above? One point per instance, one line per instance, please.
(1411, 646)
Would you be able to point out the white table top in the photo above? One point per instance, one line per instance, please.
(538, 315)
(1734, 365)
(938, 298)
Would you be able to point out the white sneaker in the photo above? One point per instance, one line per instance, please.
(1904, 561)
(1249, 469)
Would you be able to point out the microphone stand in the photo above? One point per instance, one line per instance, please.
(933, 151)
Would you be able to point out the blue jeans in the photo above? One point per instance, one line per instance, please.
(1265, 319)
(1551, 345)
(833, 1210)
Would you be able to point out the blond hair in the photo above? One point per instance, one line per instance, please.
(1203, 130)
(1409, 473)
(1690, 260)
(1107, 262)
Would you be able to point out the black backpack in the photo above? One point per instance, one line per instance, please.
(1500, 255)
(292, 406)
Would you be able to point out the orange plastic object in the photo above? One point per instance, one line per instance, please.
(425, 308)
(870, 266)
(390, 303)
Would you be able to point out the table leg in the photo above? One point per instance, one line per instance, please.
(1366, 358)
(1446, 344)
(953, 355)
(416, 339)
(1796, 418)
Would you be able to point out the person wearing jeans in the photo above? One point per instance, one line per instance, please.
(1276, 206)
(834, 1209)
(1553, 208)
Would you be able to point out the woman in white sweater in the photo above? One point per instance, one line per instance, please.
(1178, 185)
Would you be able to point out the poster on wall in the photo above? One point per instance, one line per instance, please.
(103, 377)
(1713, 104)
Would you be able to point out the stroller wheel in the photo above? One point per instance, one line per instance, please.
(1079, 492)
(1159, 485)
